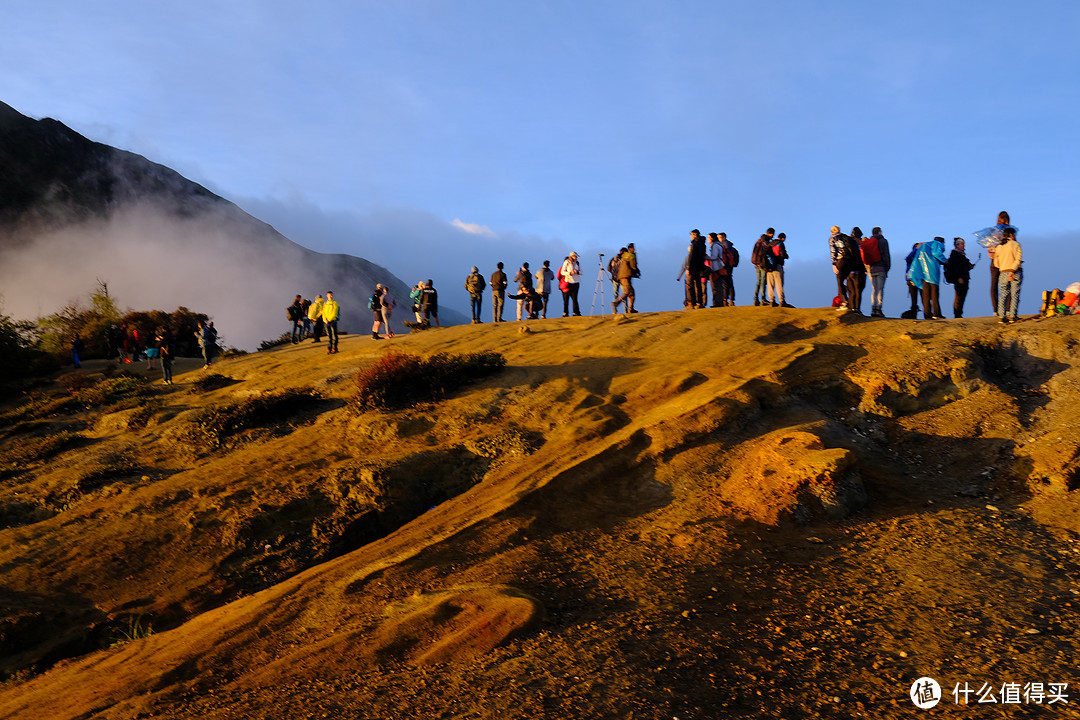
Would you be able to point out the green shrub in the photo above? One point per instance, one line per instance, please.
(399, 379)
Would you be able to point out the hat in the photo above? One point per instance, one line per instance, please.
(939, 239)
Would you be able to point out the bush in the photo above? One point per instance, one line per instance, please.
(214, 424)
(285, 339)
(212, 381)
(20, 452)
(399, 379)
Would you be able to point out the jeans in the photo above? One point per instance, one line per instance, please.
(877, 290)
(331, 335)
(760, 282)
(297, 331)
(498, 298)
(1009, 293)
(475, 302)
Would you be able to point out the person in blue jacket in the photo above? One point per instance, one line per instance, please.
(925, 274)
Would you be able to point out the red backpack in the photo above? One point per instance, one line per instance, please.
(871, 255)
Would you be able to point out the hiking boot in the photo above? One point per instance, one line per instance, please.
(787, 305)
(756, 302)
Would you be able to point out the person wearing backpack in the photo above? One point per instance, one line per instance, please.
(613, 271)
(758, 259)
(847, 263)
(875, 256)
(376, 307)
(731, 257)
(698, 268)
(295, 314)
(474, 285)
(544, 276)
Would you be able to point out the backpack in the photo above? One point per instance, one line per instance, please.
(844, 249)
(734, 257)
(613, 267)
(770, 261)
(371, 303)
(290, 313)
(871, 254)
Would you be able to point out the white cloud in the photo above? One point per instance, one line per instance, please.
(473, 228)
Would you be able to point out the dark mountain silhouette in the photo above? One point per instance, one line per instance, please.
(73, 211)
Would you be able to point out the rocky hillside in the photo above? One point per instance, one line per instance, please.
(743, 512)
(73, 211)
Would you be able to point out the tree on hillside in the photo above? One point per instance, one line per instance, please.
(19, 356)
(91, 323)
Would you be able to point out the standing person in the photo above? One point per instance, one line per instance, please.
(315, 317)
(925, 274)
(429, 303)
(717, 268)
(913, 291)
(958, 274)
(305, 308)
(498, 293)
(76, 350)
(564, 285)
(524, 283)
(151, 352)
(112, 341)
(474, 285)
(330, 314)
(698, 269)
(136, 344)
(376, 308)
(417, 296)
(544, 276)
(779, 249)
(388, 305)
(164, 341)
(1009, 259)
(990, 238)
(860, 268)
(295, 313)
(206, 343)
(846, 262)
(758, 259)
(571, 270)
(732, 258)
(774, 281)
(627, 270)
(613, 271)
(875, 254)
(684, 272)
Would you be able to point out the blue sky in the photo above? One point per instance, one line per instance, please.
(429, 136)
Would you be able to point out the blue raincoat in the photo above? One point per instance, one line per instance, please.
(926, 267)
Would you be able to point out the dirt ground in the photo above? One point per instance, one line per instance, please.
(724, 513)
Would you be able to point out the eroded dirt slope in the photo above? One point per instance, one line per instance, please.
(745, 512)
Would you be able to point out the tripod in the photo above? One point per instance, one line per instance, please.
(599, 290)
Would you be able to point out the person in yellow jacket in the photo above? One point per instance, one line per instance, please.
(315, 316)
(330, 313)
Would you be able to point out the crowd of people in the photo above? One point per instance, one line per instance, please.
(708, 269)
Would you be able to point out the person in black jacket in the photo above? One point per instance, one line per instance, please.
(958, 272)
(697, 269)
(498, 293)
